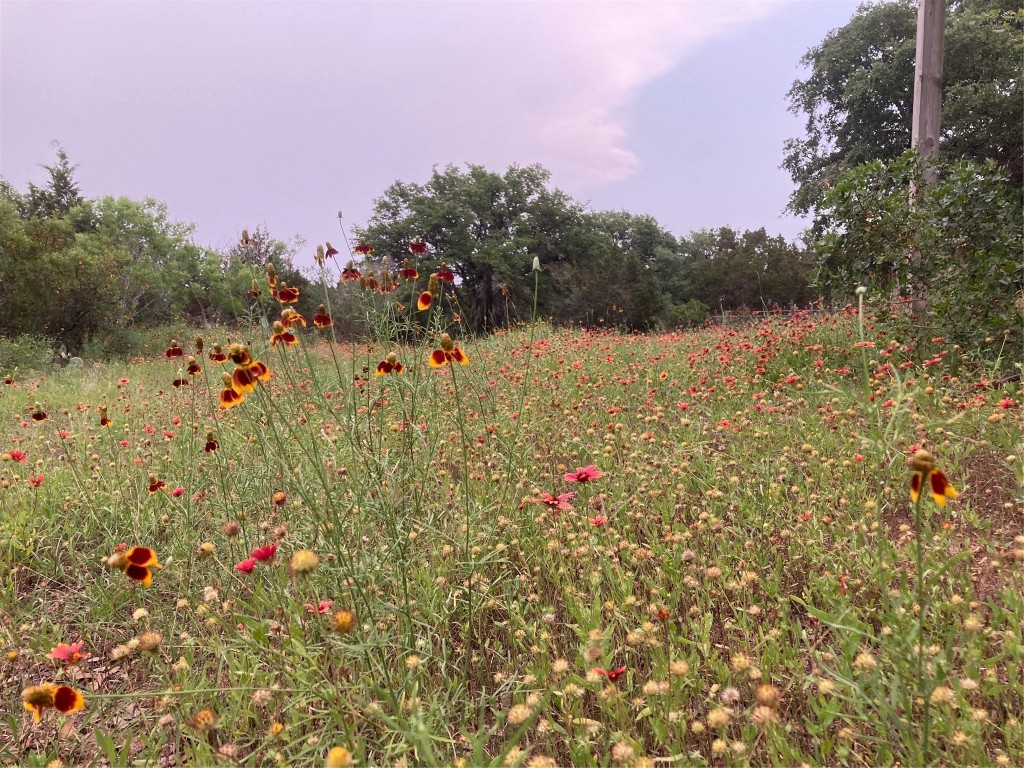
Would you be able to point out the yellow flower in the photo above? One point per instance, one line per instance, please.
(304, 561)
(338, 757)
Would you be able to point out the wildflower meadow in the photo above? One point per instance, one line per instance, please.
(796, 541)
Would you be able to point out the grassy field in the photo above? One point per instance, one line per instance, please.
(580, 547)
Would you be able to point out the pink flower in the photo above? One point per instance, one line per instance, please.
(35, 481)
(245, 566)
(177, 491)
(264, 553)
(69, 653)
(598, 521)
(583, 475)
(322, 607)
(561, 501)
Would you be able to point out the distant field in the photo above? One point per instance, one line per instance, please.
(740, 579)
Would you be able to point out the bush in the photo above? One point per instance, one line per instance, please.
(956, 250)
(26, 352)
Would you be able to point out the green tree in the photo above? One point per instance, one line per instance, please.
(857, 98)
(959, 246)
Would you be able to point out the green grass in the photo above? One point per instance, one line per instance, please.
(752, 528)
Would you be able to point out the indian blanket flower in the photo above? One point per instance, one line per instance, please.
(561, 501)
(389, 364)
(583, 475)
(156, 484)
(925, 471)
(263, 554)
(14, 456)
(246, 565)
(322, 318)
(448, 353)
(69, 653)
(282, 335)
(136, 563)
(611, 674)
(322, 607)
(63, 698)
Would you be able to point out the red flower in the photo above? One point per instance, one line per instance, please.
(408, 272)
(174, 350)
(611, 674)
(322, 607)
(424, 301)
(443, 273)
(287, 295)
(583, 475)
(35, 481)
(363, 248)
(245, 566)
(350, 273)
(331, 250)
(598, 521)
(263, 554)
(16, 455)
(417, 247)
(926, 471)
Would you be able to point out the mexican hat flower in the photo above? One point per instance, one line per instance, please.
(63, 698)
(448, 353)
(925, 471)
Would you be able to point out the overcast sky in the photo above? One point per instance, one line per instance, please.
(239, 114)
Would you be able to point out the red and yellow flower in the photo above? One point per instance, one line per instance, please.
(287, 295)
(390, 364)
(63, 698)
(408, 272)
(417, 247)
(322, 318)
(448, 353)
(281, 336)
(925, 471)
(137, 564)
(363, 248)
(350, 273)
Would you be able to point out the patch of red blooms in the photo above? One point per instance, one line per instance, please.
(263, 554)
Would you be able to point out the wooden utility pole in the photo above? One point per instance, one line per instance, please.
(924, 135)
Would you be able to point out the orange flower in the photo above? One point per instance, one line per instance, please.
(290, 317)
(350, 273)
(926, 471)
(63, 698)
(364, 249)
(244, 378)
(447, 353)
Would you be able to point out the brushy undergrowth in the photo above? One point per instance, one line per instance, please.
(413, 568)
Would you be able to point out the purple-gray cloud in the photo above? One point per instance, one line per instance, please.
(238, 114)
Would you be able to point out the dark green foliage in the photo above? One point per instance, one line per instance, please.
(959, 246)
(609, 267)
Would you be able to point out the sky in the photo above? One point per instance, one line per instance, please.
(282, 114)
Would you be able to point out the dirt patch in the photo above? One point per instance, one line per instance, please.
(995, 494)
